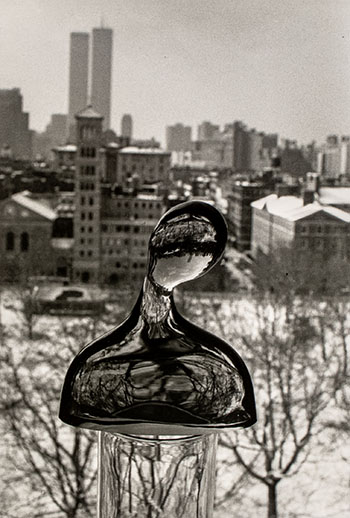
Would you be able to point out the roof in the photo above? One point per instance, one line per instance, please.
(335, 195)
(88, 113)
(34, 205)
(292, 208)
(144, 151)
(69, 148)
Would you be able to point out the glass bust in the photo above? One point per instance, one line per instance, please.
(157, 373)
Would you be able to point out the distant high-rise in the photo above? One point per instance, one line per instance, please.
(78, 76)
(126, 126)
(56, 129)
(102, 73)
(14, 124)
(207, 131)
(178, 137)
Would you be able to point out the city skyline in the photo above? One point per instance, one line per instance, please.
(280, 68)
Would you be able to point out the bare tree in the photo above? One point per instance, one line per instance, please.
(54, 463)
(279, 339)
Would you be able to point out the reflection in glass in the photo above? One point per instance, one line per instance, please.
(157, 373)
(141, 477)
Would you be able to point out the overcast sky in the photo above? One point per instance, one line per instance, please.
(280, 66)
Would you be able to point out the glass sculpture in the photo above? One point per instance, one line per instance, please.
(157, 373)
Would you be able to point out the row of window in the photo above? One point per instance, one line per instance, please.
(121, 228)
(110, 241)
(88, 152)
(133, 168)
(134, 265)
(88, 170)
(87, 186)
(324, 229)
(87, 215)
(10, 241)
(84, 200)
(137, 204)
(86, 253)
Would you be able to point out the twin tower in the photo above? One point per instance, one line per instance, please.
(94, 87)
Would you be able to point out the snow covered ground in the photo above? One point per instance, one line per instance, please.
(319, 490)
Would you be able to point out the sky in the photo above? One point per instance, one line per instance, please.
(280, 66)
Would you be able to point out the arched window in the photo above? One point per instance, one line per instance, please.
(10, 241)
(24, 241)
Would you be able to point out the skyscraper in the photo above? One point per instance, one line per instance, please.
(126, 126)
(14, 124)
(102, 73)
(78, 76)
(178, 137)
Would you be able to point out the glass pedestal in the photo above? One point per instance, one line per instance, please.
(156, 476)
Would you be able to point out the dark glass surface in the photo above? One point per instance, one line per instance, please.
(157, 373)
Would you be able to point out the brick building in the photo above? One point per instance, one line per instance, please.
(288, 222)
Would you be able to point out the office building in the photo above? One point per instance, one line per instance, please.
(87, 197)
(290, 221)
(208, 131)
(78, 76)
(15, 134)
(126, 126)
(178, 137)
(101, 73)
(57, 129)
(148, 165)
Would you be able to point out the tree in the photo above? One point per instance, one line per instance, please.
(279, 339)
(57, 464)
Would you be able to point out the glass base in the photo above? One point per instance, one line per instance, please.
(156, 476)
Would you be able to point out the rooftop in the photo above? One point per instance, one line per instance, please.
(88, 113)
(292, 208)
(334, 195)
(22, 198)
(144, 151)
(67, 148)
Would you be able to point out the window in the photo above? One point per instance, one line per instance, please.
(82, 200)
(91, 216)
(83, 215)
(90, 230)
(82, 229)
(89, 253)
(91, 201)
(10, 241)
(81, 253)
(104, 228)
(82, 240)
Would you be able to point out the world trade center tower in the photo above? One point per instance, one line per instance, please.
(102, 73)
(78, 76)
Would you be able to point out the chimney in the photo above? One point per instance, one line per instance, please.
(311, 187)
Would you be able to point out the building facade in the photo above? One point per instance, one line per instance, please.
(208, 131)
(178, 137)
(126, 225)
(148, 165)
(288, 222)
(14, 124)
(126, 126)
(87, 249)
(101, 73)
(78, 77)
